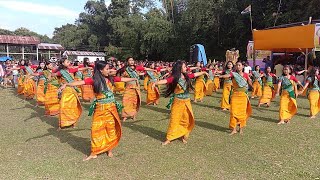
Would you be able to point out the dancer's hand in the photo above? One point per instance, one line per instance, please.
(62, 87)
(153, 86)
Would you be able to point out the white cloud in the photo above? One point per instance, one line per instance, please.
(40, 9)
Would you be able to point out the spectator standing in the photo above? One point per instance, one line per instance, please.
(247, 68)
(268, 63)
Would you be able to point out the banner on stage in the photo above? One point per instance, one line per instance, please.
(260, 54)
(317, 37)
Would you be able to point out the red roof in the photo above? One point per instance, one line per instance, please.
(7, 39)
(47, 46)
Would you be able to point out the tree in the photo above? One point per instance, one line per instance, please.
(70, 36)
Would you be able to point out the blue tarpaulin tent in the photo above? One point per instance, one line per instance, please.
(4, 58)
(198, 54)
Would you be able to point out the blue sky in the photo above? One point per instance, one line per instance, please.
(41, 16)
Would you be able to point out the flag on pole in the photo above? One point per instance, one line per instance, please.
(246, 10)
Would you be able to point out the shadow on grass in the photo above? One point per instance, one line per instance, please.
(277, 111)
(211, 107)
(78, 143)
(155, 108)
(211, 126)
(65, 135)
(265, 119)
(151, 132)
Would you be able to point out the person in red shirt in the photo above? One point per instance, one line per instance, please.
(289, 92)
(106, 127)
(181, 116)
(240, 107)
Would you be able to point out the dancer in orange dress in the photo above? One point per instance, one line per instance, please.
(106, 128)
(181, 116)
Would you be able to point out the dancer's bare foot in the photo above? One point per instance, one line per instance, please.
(224, 109)
(184, 140)
(92, 156)
(288, 121)
(165, 143)
(195, 101)
(59, 129)
(281, 122)
(241, 131)
(259, 105)
(252, 97)
(312, 117)
(268, 105)
(234, 131)
(110, 154)
(124, 119)
(134, 118)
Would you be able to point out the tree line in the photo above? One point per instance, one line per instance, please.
(165, 29)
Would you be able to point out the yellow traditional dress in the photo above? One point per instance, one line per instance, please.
(288, 102)
(29, 87)
(131, 97)
(268, 91)
(153, 95)
(257, 84)
(106, 127)
(200, 87)
(70, 107)
(313, 96)
(181, 116)
(87, 90)
(240, 105)
(227, 86)
(40, 88)
(210, 84)
(51, 86)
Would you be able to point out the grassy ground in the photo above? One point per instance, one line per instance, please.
(31, 148)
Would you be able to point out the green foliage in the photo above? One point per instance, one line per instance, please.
(141, 28)
(70, 36)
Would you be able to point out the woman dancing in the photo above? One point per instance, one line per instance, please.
(289, 92)
(181, 116)
(240, 105)
(106, 127)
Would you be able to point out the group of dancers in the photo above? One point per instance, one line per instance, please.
(59, 90)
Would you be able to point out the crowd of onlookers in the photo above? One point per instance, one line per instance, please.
(9, 77)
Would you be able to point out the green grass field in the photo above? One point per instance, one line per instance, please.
(31, 148)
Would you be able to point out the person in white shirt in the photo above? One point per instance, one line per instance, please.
(247, 68)
(15, 74)
(1, 73)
